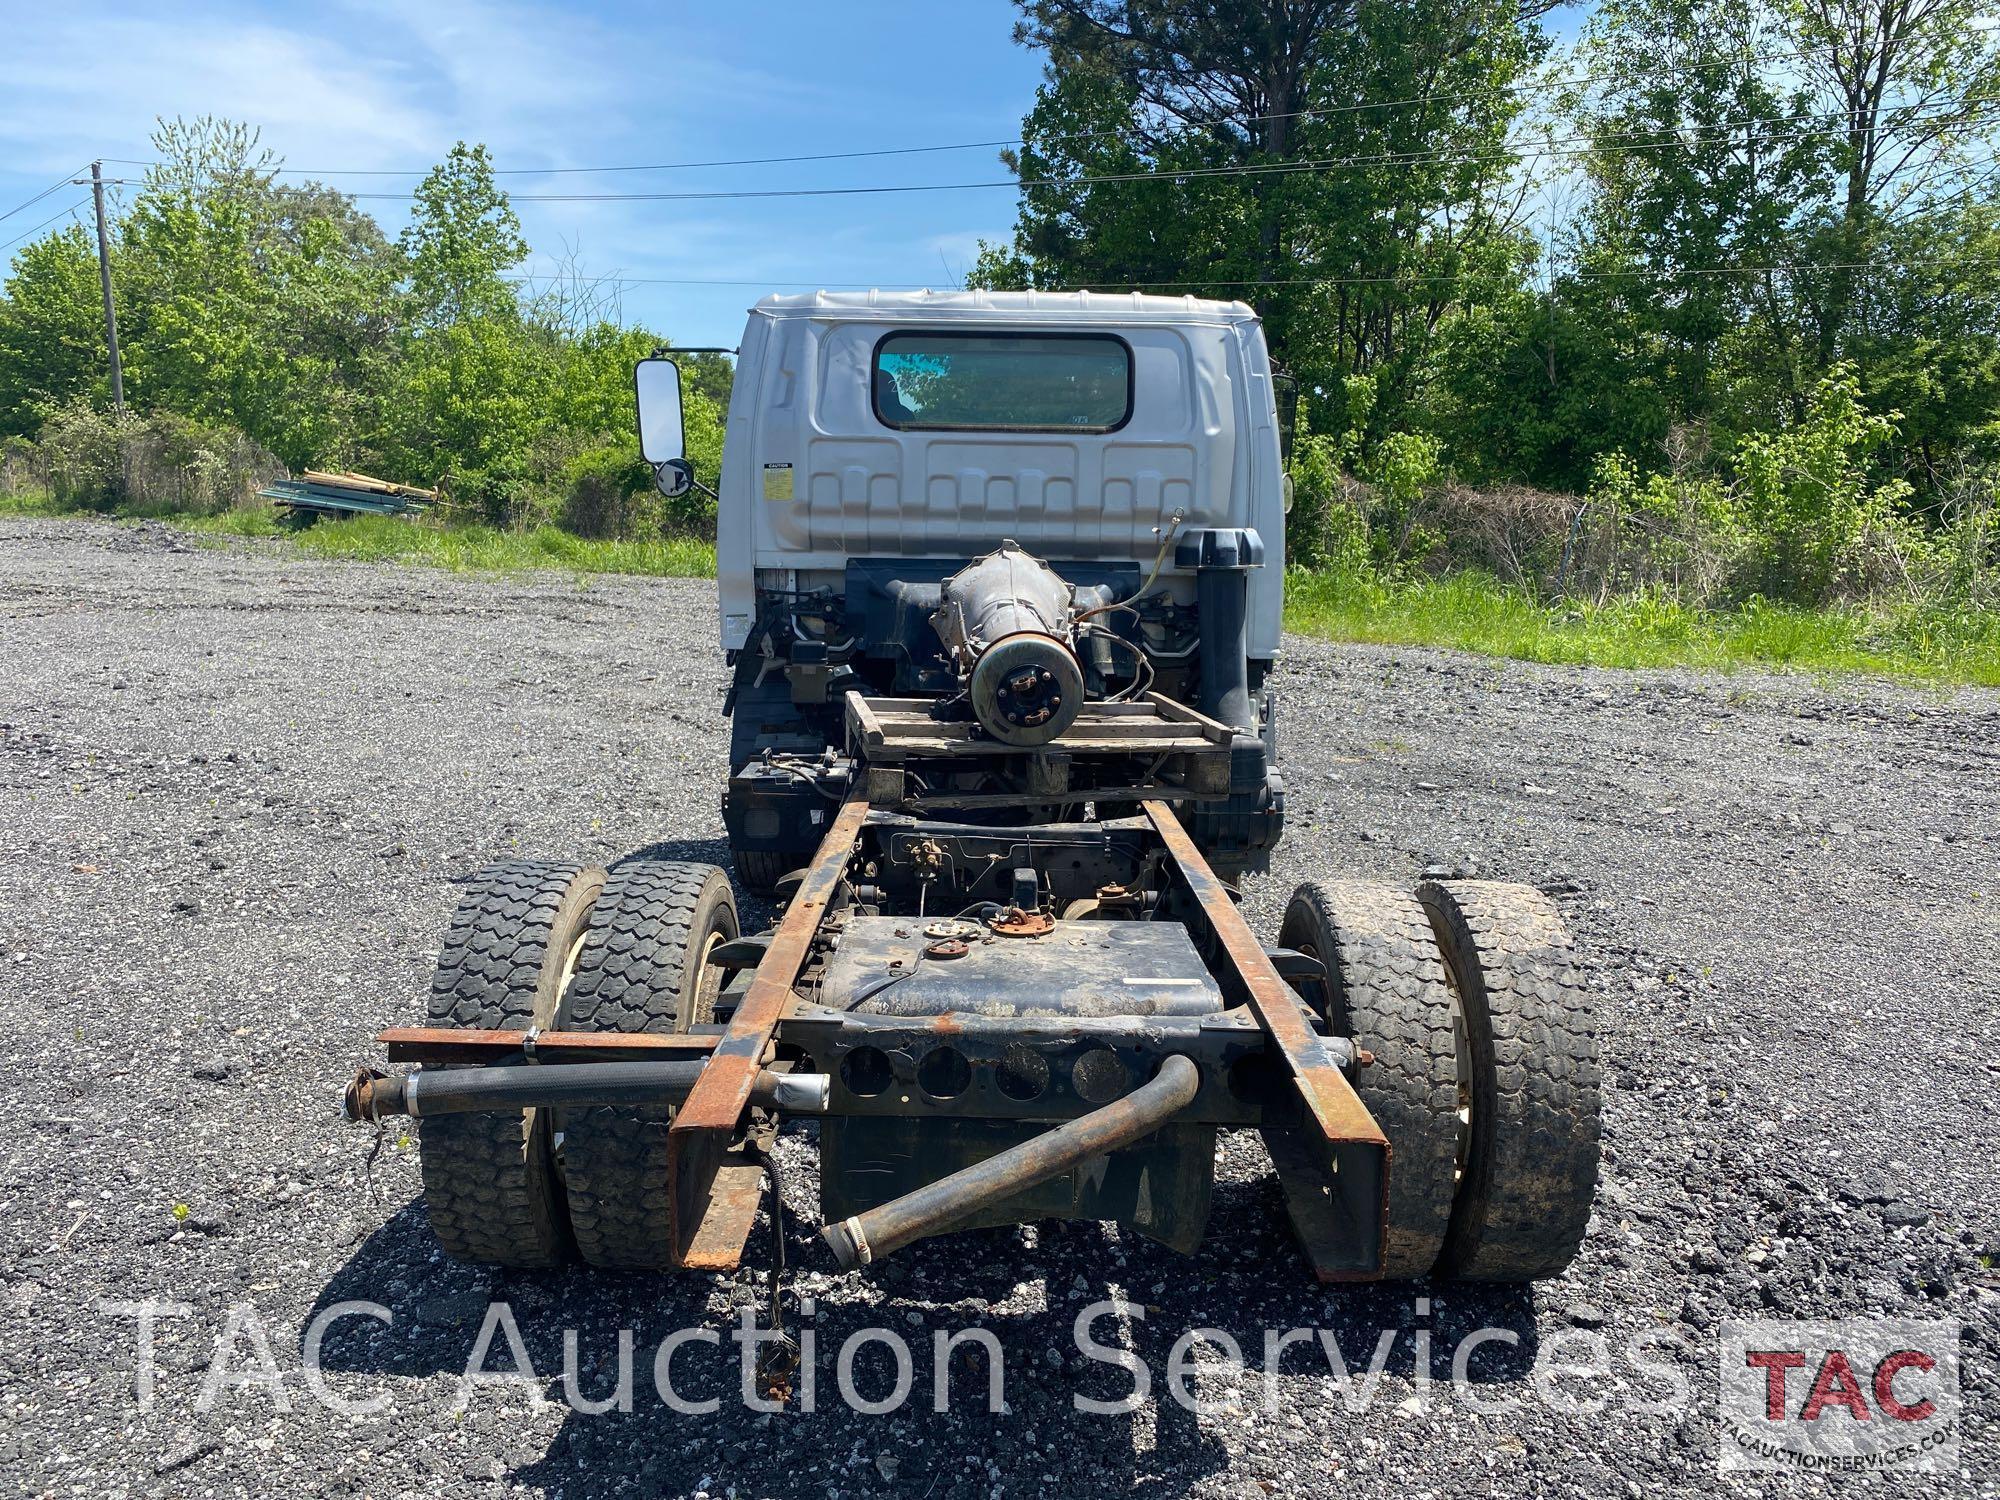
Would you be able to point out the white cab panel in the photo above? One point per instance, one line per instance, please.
(813, 477)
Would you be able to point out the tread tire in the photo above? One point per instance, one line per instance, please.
(489, 1184)
(760, 870)
(1531, 1031)
(640, 971)
(1386, 987)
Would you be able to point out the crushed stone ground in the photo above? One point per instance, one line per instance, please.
(238, 793)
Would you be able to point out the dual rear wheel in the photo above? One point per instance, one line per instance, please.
(562, 947)
(1485, 1076)
(1484, 1079)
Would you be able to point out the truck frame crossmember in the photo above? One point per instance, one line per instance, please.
(1258, 1064)
(1003, 745)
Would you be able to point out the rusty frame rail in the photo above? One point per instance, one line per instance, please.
(713, 1194)
(1331, 1156)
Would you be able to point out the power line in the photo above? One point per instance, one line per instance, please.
(824, 286)
(43, 225)
(54, 187)
(1593, 143)
(1538, 84)
(1554, 150)
(663, 166)
(1115, 288)
(1586, 144)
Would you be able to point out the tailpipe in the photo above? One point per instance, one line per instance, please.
(932, 1209)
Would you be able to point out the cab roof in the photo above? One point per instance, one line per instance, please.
(1013, 307)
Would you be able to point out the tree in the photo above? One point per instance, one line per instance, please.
(1914, 82)
(1756, 158)
(1927, 334)
(463, 236)
(250, 302)
(51, 331)
(1336, 164)
(1753, 216)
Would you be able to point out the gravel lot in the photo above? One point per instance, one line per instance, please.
(236, 794)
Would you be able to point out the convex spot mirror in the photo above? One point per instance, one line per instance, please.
(657, 383)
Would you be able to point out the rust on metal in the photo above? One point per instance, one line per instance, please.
(447, 1044)
(710, 1223)
(937, 1206)
(946, 948)
(1332, 1158)
(371, 1095)
(734, 1193)
(1014, 922)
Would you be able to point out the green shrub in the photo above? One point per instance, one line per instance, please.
(1822, 526)
(1327, 523)
(608, 494)
(1402, 471)
(22, 470)
(160, 463)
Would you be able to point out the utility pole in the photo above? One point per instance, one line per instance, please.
(104, 275)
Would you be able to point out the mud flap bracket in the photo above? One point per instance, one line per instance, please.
(1331, 1156)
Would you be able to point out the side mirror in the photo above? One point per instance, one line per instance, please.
(657, 384)
(1285, 388)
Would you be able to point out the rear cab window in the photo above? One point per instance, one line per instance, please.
(1003, 382)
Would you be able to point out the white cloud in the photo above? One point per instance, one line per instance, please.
(391, 84)
(303, 91)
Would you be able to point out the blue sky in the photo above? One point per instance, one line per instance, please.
(374, 84)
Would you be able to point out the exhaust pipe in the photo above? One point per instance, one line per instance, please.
(882, 1230)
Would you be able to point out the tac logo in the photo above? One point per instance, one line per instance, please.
(1839, 1397)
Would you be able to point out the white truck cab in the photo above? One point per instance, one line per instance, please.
(879, 443)
(938, 424)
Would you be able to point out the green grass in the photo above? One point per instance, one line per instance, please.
(1474, 613)
(470, 549)
(30, 503)
(1468, 611)
(463, 549)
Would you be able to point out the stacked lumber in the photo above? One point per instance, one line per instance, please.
(348, 479)
(342, 492)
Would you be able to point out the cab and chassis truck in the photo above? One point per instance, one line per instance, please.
(1001, 581)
